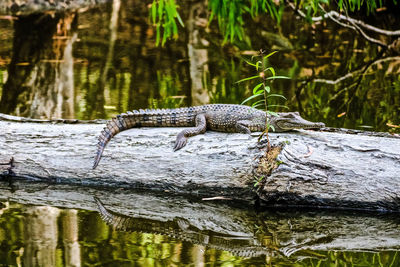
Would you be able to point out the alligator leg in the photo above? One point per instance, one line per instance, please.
(243, 127)
(200, 128)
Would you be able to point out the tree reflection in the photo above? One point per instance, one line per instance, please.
(40, 74)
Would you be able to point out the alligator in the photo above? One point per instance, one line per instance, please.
(180, 228)
(216, 117)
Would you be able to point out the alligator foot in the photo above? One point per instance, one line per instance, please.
(9, 171)
(8, 174)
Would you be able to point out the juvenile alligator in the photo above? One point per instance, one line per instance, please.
(216, 117)
(180, 228)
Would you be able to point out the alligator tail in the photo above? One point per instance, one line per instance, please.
(113, 127)
(119, 222)
(148, 118)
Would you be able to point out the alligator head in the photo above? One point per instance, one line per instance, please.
(287, 121)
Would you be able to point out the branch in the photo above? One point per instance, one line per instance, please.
(355, 73)
(336, 17)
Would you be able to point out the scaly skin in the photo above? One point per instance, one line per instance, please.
(180, 228)
(216, 117)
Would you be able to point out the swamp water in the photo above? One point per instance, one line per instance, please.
(81, 65)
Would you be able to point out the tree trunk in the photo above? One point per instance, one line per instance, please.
(317, 169)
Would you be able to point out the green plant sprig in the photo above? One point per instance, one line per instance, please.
(262, 90)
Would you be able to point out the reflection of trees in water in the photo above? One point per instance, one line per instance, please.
(48, 236)
(40, 75)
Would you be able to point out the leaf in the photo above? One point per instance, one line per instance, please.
(154, 12)
(258, 102)
(278, 77)
(282, 106)
(273, 113)
(271, 69)
(179, 19)
(257, 64)
(251, 97)
(267, 88)
(276, 95)
(247, 79)
(251, 64)
(258, 105)
(157, 34)
(256, 87)
(270, 54)
(272, 127)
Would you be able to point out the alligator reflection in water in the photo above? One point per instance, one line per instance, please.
(278, 235)
(180, 228)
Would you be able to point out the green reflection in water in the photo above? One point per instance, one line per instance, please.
(48, 236)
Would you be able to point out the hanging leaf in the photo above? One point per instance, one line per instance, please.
(271, 69)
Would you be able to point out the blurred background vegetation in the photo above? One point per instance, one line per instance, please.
(172, 54)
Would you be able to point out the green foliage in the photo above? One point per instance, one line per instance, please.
(164, 14)
(261, 91)
(230, 14)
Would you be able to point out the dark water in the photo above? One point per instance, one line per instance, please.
(76, 65)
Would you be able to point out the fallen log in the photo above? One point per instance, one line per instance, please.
(316, 169)
(26, 7)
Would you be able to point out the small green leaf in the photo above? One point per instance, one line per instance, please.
(267, 88)
(257, 64)
(270, 54)
(271, 69)
(251, 97)
(276, 95)
(272, 127)
(277, 77)
(258, 105)
(247, 79)
(256, 88)
(251, 64)
(154, 12)
(259, 101)
(273, 113)
(179, 19)
(282, 106)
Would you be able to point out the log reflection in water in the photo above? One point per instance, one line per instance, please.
(286, 236)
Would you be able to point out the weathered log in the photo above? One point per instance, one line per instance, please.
(27, 7)
(275, 234)
(318, 169)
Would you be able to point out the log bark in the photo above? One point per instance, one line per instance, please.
(27, 7)
(317, 169)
